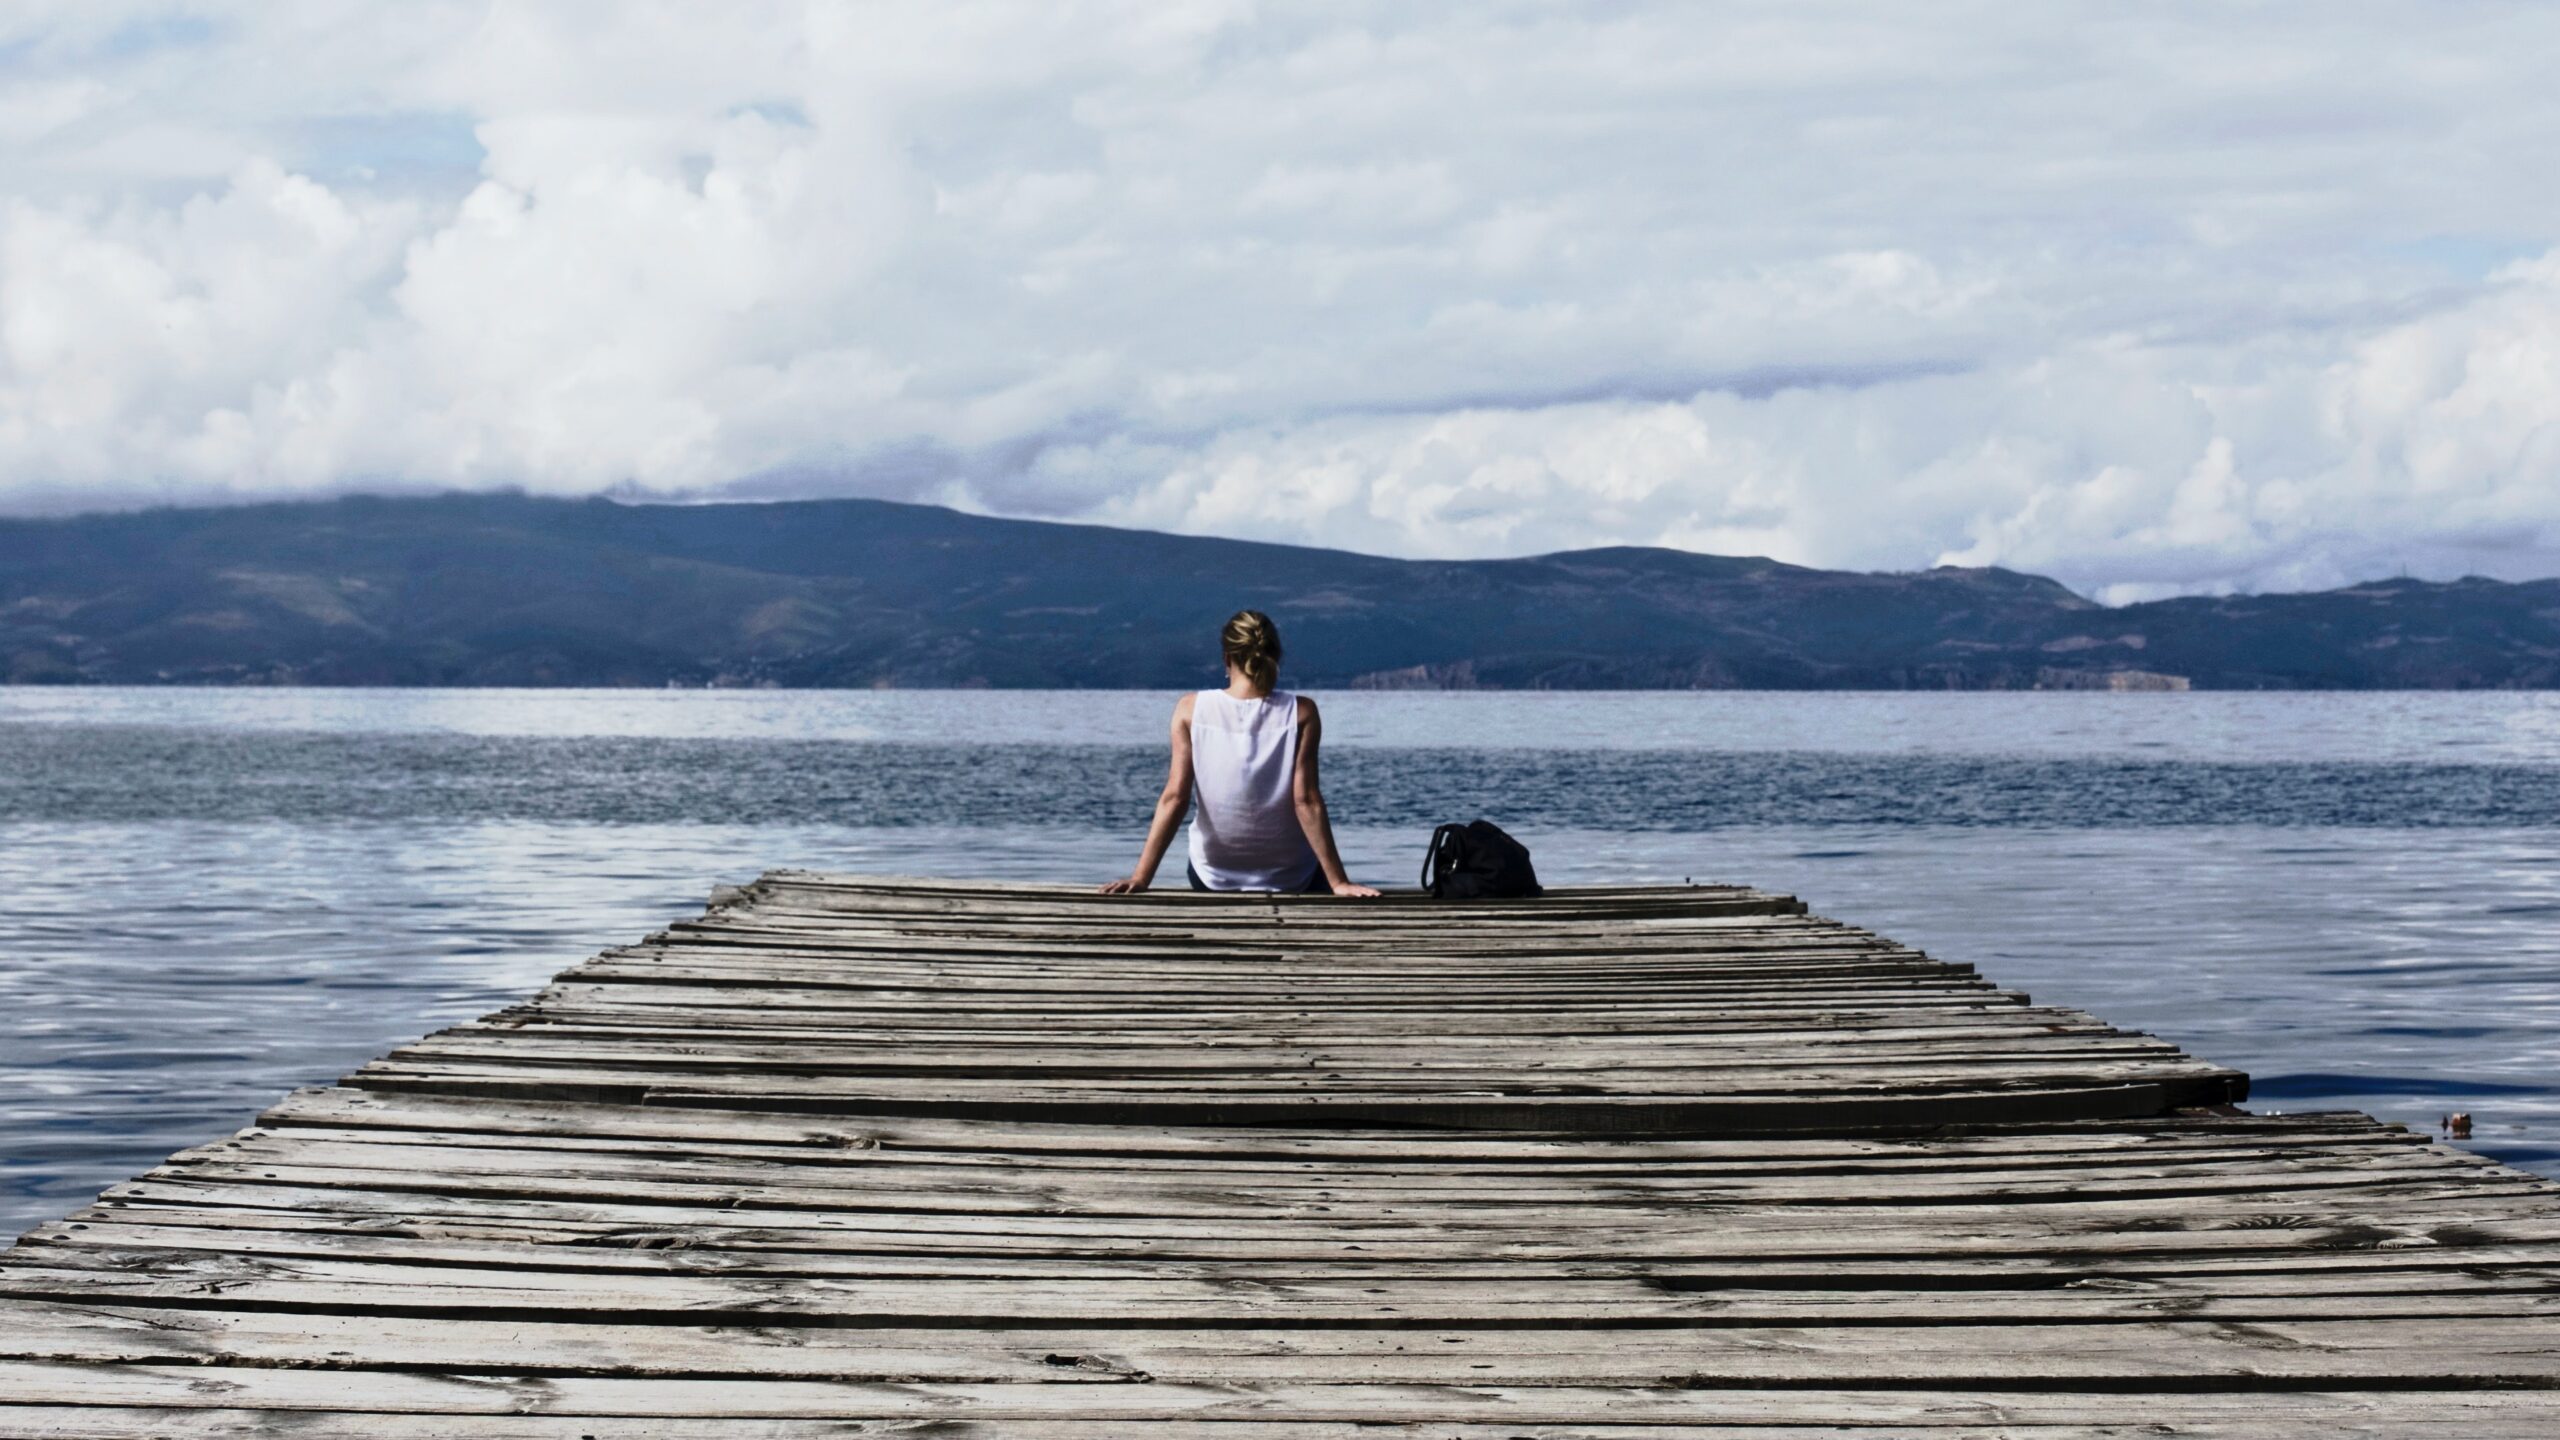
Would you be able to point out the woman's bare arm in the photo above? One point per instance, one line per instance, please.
(1171, 806)
(1308, 793)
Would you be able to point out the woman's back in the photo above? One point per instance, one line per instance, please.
(1245, 832)
(1245, 769)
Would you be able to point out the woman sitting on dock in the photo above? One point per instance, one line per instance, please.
(1248, 753)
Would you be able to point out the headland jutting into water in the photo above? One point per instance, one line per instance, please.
(505, 590)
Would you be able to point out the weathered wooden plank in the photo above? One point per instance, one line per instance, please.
(2372, 1414)
(1315, 949)
(499, 1246)
(376, 1391)
(1688, 1051)
(690, 1010)
(455, 1149)
(679, 1286)
(2379, 1413)
(451, 1168)
(1639, 1114)
(340, 1106)
(1700, 1079)
(817, 995)
(2130, 1241)
(96, 1246)
(2513, 1352)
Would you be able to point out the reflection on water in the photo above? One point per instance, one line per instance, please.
(155, 773)
(2471, 728)
(160, 983)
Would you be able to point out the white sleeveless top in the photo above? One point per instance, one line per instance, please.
(1244, 823)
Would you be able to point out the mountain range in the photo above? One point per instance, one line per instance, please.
(513, 590)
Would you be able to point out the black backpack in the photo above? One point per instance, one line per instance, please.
(1476, 861)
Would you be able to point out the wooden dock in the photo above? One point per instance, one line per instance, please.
(853, 1157)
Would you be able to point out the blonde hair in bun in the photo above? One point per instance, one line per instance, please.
(1251, 644)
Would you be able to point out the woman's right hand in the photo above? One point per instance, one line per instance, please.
(1126, 885)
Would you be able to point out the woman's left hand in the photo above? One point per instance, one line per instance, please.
(1128, 885)
(1355, 892)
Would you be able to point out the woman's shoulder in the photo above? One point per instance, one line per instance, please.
(1183, 707)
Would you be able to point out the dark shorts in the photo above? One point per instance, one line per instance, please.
(1315, 883)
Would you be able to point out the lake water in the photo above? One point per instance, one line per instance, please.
(214, 896)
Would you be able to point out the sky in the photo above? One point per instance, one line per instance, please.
(2156, 299)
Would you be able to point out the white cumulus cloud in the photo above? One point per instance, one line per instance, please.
(2186, 297)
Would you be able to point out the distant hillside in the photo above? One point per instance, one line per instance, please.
(505, 590)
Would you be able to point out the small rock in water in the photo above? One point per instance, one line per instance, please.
(2458, 1125)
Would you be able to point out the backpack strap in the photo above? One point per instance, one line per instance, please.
(1440, 838)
